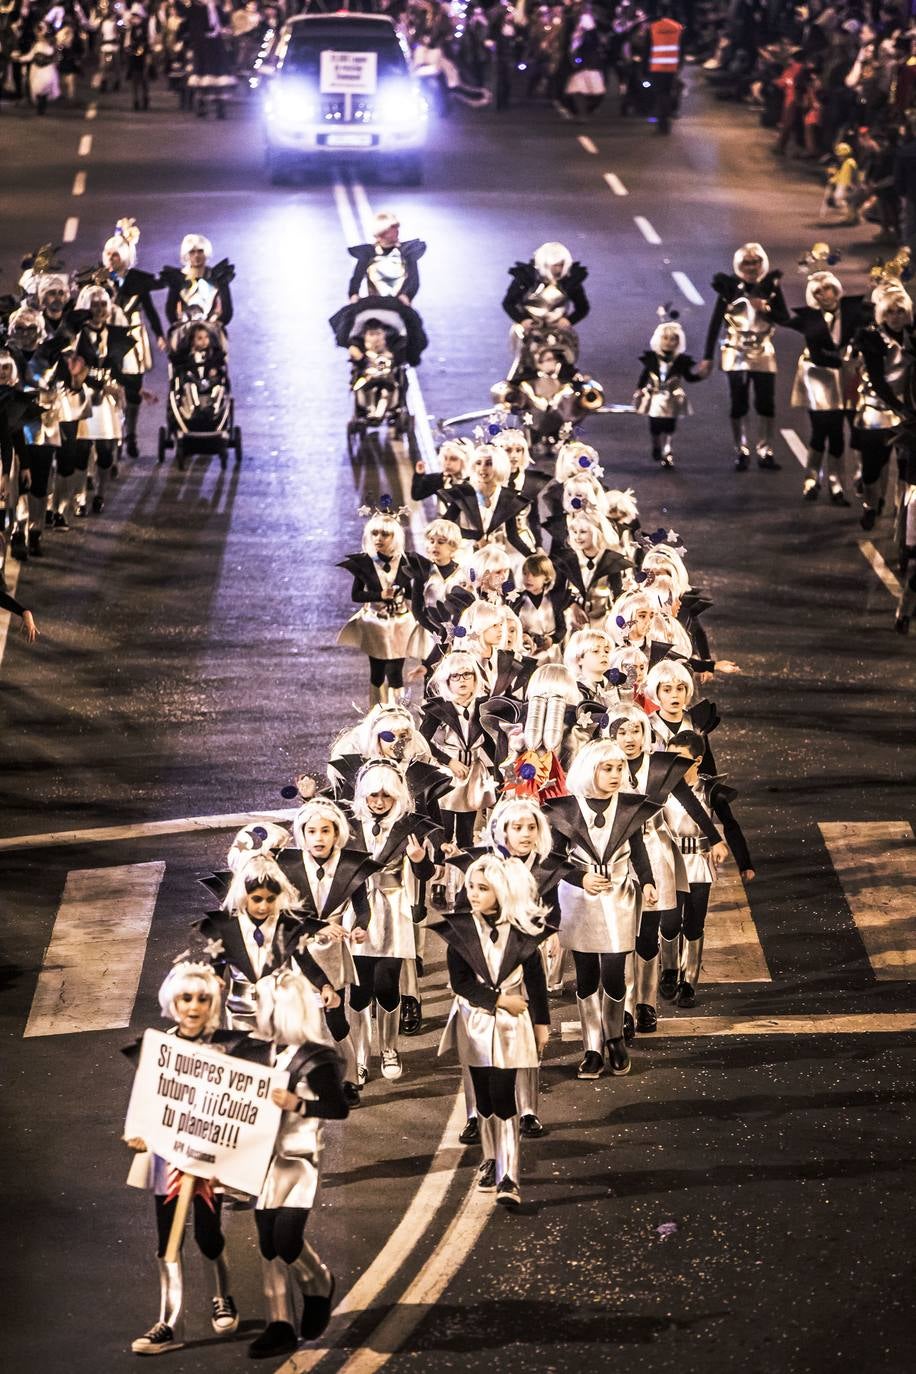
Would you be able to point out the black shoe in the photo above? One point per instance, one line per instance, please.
(98, 504)
(592, 1066)
(224, 1315)
(351, 1094)
(617, 1057)
(902, 624)
(316, 1313)
(277, 1338)
(486, 1176)
(156, 1341)
(114, 471)
(838, 497)
(742, 462)
(667, 984)
(507, 1194)
(471, 1133)
(629, 1029)
(19, 546)
(133, 450)
(646, 1019)
(686, 997)
(768, 463)
(811, 491)
(61, 522)
(411, 1016)
(49, 519)
(530, 1126)
(869, 517)
(35, 549)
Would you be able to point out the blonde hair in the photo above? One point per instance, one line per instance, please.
(459, 660)
(390, 525)
(510, 809)
(625, 608)
(569, 460)
(257, 837)
(192, 241)
(629, 711)
(516, 891)
(669, 670)
(445, 529)
(502, 469)
(515, 436)
(488, 559)
(260, 871)
(380, 775)
(655, 343)
(289, 1010)
(326, 811)
(580, 780)
(580, 641)
(462, 447)
(389, 718)
(180, 978)
(585, 488)
(606, 536)
(666, 559)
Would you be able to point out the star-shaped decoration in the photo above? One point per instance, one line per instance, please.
(214, 948)
(527, 418)
(672, 536)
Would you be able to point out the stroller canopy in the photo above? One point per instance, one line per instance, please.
(393, 315)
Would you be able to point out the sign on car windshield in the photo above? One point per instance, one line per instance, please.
(348, 73)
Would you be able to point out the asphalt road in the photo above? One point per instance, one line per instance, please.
(188, 668)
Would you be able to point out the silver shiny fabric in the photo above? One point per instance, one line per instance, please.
(526, 1091)
(629, 1000)
(871, 412)
(603, 923)
(292, 1179)
(388, 1023)
(663, 397)
(507, 1148)
(485, 1039)
(391, 927)
(817, 388)
(694, 861)
(748, 342)
(647, 980)
(361, 1035)
(669, 953)
(171, 1294)
(487, 1137)
(691, 961)
(590, 1021)
(612, 1009)
(277, 1303)
(470, 1097)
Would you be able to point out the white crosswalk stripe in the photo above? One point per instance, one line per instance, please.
(93, 963)
(732, 952)
(875, 862)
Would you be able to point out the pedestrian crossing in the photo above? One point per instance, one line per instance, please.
(92, 966)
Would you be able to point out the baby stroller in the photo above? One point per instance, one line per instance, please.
(546, 389)
(383, 337)
(200, 412)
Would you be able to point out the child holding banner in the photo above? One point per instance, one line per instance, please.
(191, 996)
(289, 1016)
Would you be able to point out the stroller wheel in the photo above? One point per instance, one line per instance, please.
(181, 457)
(163, 444)
(223, 455)
(237, 443)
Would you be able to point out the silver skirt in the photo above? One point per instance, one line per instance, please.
(379, 636)
(600, 924)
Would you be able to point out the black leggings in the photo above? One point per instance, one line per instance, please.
(378, 978)
(647, 939)
(390, 668)
(74, 453)
(37, 460)
(662, 424)
(494, 1090)
(827, 431)
(875, 451)
(281, 1231)
(739, 390)
(338, 1025)
(105, 450)
(207, 1229)
(690, 917)
(608, 970)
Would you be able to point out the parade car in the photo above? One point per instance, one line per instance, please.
(339, 87)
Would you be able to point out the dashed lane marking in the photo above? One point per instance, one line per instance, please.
(92, 110)
(79, 184)
(880, 567)
(616, 185)
(85, 147)
(588, 144)
(646, 229)
(426, 1203)
(71, 228)
(684, 284)
(92, 966)
(732, 952)
(875, 862)
(867, 1023)
(107, 834)
(797, 445)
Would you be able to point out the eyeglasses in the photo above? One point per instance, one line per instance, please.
(461, 677)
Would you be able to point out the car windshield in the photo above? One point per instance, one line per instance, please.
(303, 54)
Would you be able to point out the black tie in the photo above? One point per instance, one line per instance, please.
(493, 922)
(385, 562)
(319, 872)
(466, 713)
(376, 827)
(599, 808)
(590, 564)
(258, 935)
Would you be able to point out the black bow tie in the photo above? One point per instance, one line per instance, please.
(466, 713)
(385, 562)
(599, 806)
(492, 922)
(590, 564)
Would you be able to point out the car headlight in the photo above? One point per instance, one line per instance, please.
(290, 104)
(398, 102)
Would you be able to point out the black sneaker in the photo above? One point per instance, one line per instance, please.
(838, 497)
(277, 1338)
(646, 1019)
(19, 547)
(742, 460)
(411, 1016)
(617, 1057)
(667, 984)
(768, 463)
(530, 1126)
(869, 517)
(507, 1194)
(133, 450)
(224, 1317)
(591, 1067)
(60, 521)
(35, 549)
(316, 1313)
(351, 1094)
(902, 624)
(629, 1028)
(471, 1133)
(156, 1341)
(98, 504)
(486, 1176)
(686, 997)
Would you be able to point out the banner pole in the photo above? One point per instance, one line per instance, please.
(182, 1203)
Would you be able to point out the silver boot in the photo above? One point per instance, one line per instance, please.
(691, 962)
(526, 1091)
(361, 1035)
(612, 1009)
(168, 1332)
(388, 1026)
(835, 469)
(812, 483)
(669, 960)
(590, 1021)
(507, 1160)
(277, 1303)
(742, 452)
(766, 431)
(646, 994)
(312, 1275)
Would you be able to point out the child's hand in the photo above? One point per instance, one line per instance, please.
(281, 1098)
(415, 850)
(329, 997)
(135, 1143)
(513, 1003)
(450, 849)
(332, 931)
(359, 935)
(650, 894)
(541, 1036)
(458, 769)
(419, 466)
(719, 854)
(594, 883)
(748, 875)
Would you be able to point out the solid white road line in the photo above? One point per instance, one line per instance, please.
(108, 834)
(732, 952)
(684, 284)
(345, 213)
(420, 1297)
(363, 208)
(92, 110)
(616, 184)
(797, 445)
(12, 577)
(646, 229)
(79, 184)
(880, 567)
(403, 1240)
(875, 862)
(821, 1023)
(92, 966)
(588, 144)
(71, 229)
(85, 147)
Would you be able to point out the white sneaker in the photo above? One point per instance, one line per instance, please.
(156, 1341)
(224, 1318)
(362, 1077)
(391, 1064)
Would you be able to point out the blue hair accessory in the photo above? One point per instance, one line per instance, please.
(494, 429)
(577, 503)
(386, 735)
(527, 771)
(603, 721)
(584, 462)
(259, 832)
(460, 632)
(640, 576)
(472, 576)
(384, 503)
(621, 620)
(658, 537)
(507, 586)
(504, 851)
(615, 677)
